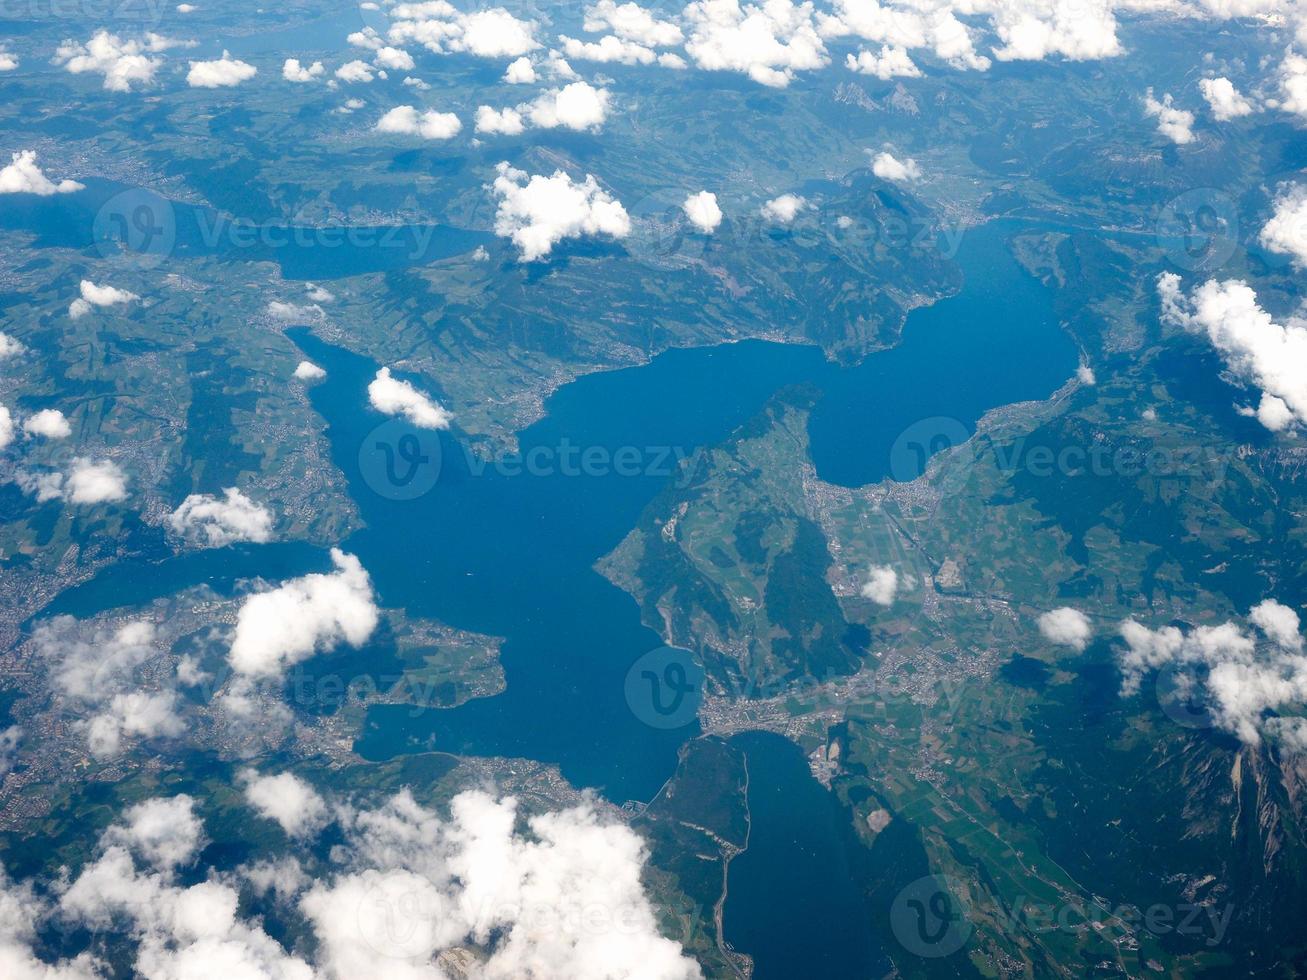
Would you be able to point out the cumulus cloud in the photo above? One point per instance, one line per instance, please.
(520, 72)
(293, 71)
(287, 799)
(6, 427)
(98, 296)
(308, 371)
(293, 312)
(21, 912)
(395, 397)
(769, 43)
(215, 522)
(882, 585)
(608, 48)
(910, 25)
(356, 71)
(538, 212)
(7, 61)
(631, 22)
(1269, 356)
(1066, 627)
(1225, 101)
(1242, 682)
(23, 176)
(507, 122)
(49, 423)
(784, 209)
(90, 482)
(9, 347)
(396, 58)
(1286, 232)
(1175, 124)
(891, 62)
(430, 125)
(576, 106)
(122, 63)
(441, 29)
(888, 167)
(303, 616)
(1293, 84)
(223, 73)
(703, 212)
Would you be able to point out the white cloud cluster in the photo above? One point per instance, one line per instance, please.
(356, 72)
(293, 71)
(769, 43)
(631, 22)
(308, 371)
(1286, 232)
(520, 72)
(1242, 681)
(283, 626)
(608, 49)
(911, 24)
(886, 166)
(882, 585)
(1066, 627)
(287, 799)
(579, 106)
(891, 62)
(215, 522)
(96, 674)
(1270, 356)
(441, 29)
(122, 63)
(23, 176)
(431, 125)
(703, 211)
(9, 347)
(1293, 84)
(48, 423)
(85, 481)
(393, 396)
(506, 122)
(6, 427)
(1177, 125)
(538, 212)
(1224, 99)
(98, 296)
(566, 901)
(222, 73)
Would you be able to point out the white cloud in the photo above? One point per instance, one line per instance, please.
(223, 73)
(504, 121)
(293, 312)
(293, 71)
(23, 176)
(368, 38)
(122, 63)
(287, 799)
(6, 427)
(355, 71)
(1085, 374)
(429, 125)
(538, 212)
(1225, 101)
(392, 396)
(1286, 232)
(1240, 680)
(417, 83)
(888, 167)
(631, 22)
(7, 61)
(1175, 124)
(892, 62)
(703, 212)
(520, 72)
(101, 296)
(784, 209)
(89, 482)
(1066, 627)
(215, 522)
(1258, 351)
(283, 626)
(1293, 83)
(49, 423)
(608, 48)
(576, 106)
(437, 26)
(308, 371)
(396, 58)
(914, 25)
(768, 43)
(673, 61)
(134, 714)
(9, 347)
(882, 585)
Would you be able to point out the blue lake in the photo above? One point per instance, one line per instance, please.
(512, 555)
